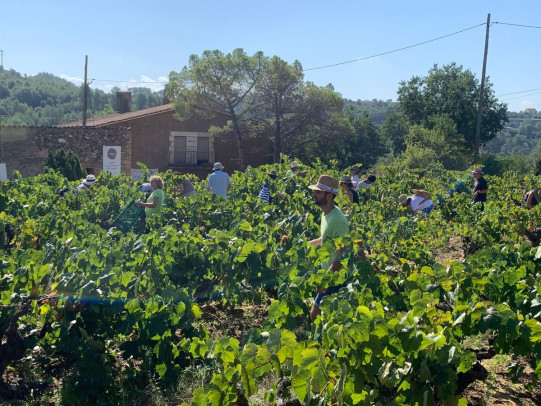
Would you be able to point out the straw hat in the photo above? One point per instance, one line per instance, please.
(402, 199)
(90, 179)
(355, 168)
(326, 183)
(346, 179)
(478, 170)
(218, 166)
(272, 173)
(294, 164)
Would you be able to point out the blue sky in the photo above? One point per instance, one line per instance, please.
(142, 40)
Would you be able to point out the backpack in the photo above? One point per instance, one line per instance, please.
(421, 193)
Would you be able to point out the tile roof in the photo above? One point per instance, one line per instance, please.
(117, 118)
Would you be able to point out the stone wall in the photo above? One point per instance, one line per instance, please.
(25, 149)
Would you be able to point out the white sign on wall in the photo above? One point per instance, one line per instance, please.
(3, 172)
(111, 160)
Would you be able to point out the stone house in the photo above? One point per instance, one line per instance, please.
(162, 142)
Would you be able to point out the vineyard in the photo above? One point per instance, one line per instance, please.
(90, 313)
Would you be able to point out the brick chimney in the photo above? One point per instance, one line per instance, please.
(123, 101)
(165, 100)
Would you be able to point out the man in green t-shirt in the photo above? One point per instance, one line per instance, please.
(333, 224)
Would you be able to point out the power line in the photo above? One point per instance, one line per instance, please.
(396, 50)
(522, 91)
(516, 25)
(127, 81)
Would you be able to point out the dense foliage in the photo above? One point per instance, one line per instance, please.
(107, 311)
(46, 100)
(67, 163)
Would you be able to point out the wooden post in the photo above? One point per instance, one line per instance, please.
(481, 94)
(85, 92)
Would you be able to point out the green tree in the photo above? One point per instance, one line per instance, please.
(440, 145)
(366, 144)
(319, 128)
(217, 85)
(393, 131)
(278, 96)
(455, 92)
(67, 163)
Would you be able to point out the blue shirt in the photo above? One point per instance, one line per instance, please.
(218, 182)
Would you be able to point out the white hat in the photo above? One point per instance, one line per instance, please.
(294, 164)
(218, 166)
(90, 179)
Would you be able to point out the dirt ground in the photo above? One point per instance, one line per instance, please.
(499, 390)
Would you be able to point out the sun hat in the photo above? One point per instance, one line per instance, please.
(346, 179)
(478, 170)
(402, 199)
(272, 172)
(90, 179)
(218, 166)
(355, 168)
(294, 164)
(326, 183)
(537, 194)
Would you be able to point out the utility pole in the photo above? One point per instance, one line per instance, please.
(481, 94)
(85, 91)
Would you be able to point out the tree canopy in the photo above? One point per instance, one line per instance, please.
(454, 92)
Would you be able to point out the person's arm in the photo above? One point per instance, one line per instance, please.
(529, 200)
(350, 195)
(337, 264)
(228, 186)
(316, 243)
(151, 205)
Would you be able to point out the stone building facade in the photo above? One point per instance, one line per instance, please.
(25, 149)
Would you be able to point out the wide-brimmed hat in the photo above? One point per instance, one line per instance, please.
(272, 172)
(90, 179)
(402, 199)
(346, 179)
(537, 194)
(294, 164)
(478, 170)
(218, 166)
(355, 168)
(326, 183)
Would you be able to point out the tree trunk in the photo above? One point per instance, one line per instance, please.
(277, 140)
(238, 137)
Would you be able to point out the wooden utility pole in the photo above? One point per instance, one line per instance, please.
(481, 94)
(85, 92)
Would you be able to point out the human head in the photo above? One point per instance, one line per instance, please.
(403, 200)
(325, 190)
(370, 179)
(345, 182)
(537, 194)
(272, 174)
(477, 173)
(354, 170)
(156, 182)
(89, 181)
(294, 166)
(218, 166)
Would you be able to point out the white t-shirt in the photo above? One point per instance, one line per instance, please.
(419, 203)
(355, 180)
(363, 185)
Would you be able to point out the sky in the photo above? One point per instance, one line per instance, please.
(143, 41)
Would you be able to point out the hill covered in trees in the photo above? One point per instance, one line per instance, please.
(45, 99)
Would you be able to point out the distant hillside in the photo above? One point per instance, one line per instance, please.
(46, 100)
(377, 109)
